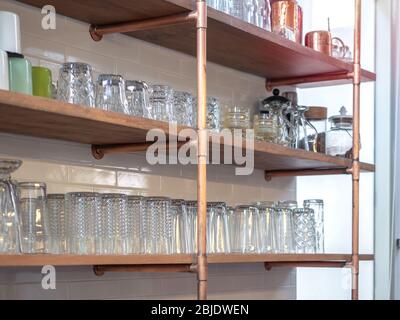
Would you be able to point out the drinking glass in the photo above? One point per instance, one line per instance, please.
(217, 228)
(266, 128)
(137, 214)
(318, 207)
(161, 103)
(237, 9)
(213, 120)
(75, 84)
(33, 217)
(9, 208)
(183, 108)
(238, 118)
(179, 225)
(230, 213)
(263, 14)
(246, 230)
(115, 236)
(57, 223)
(291, 204)
(284, 227)
(267, 226)
(137, 94)
(159, 225)
(305, 237)
(84, 221)
(191, 229)
(110, 93)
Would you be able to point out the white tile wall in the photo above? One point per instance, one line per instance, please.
(69, 167)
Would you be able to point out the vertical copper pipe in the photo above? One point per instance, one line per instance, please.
(356, 152)
(202, 268)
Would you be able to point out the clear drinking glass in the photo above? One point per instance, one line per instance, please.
(285, 227)
(191, 229)
(218, 239)
(116, 228)
(179, 226)
(159, 226)
(318, 207)
(237, 9)
(9, 208)
(183, 108)
(304, 226)
(246, 230)
(110, 93)
(213, 114)
(266, 128)
(84, 221)
(57, 223)
(238, 118)
(75, 84)
(267, 226)
(33, 217)
(263, 14)
(161, 103)
(137, 94)
(137, 214)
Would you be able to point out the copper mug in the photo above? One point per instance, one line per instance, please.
(320, 41)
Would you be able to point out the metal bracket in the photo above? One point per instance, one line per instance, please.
(304, 172)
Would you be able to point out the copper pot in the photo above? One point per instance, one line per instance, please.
(287, 19)
(320, 41)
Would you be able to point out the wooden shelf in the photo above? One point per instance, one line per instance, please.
(46, 118)
(89, 260)
(231, 42)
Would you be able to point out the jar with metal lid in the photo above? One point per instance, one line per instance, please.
(317, 120)
(339, 140)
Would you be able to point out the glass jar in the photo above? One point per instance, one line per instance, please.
(265, 128)
(339, 140)
(238, 118)
(317, 119)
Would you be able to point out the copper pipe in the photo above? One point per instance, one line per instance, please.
(308, 264)
(356, 153)
(202, 267)
(150, 268)
(270, 84)
(303, 173)
(97, 32)
(99, 151)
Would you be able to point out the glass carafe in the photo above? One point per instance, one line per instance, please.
(9, 224)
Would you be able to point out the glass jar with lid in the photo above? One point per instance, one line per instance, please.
(317, 119)
(339, 140)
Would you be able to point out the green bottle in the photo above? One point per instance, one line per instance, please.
(20, 74)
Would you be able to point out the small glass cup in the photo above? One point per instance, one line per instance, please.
(137, 94)
(266, 128)
(183, 108)
(246, 230)
(304, 226)
(57, 223)
(137, 214)
(161, 103)
(267, 226)
(238, 118)
(217, 228)
(191, 229)
(284, 227)
(110, 93)
(179, 225)
(75, 84)
(33, 217)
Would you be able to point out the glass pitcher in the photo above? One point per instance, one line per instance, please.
(9, 223)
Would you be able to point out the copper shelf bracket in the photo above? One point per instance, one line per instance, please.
(305, 172)
(308, 264)
(271, 84)
(151, 268)
(97, 32)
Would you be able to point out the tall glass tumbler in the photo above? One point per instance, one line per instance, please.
(183, 108)
(246, 230)
(267, 226)
(83, 216)
(161, 103)
(9, 208)
(191, 229)
(137, 216)
(116, 235)
(318, 207)
(179, 225)
(33, 217)
(75, 84)
(159, 226)
(305, 237)
(57, 223)
(218, 238)
(137, 94)
(213, 119)
(284, 229)
(110, 93)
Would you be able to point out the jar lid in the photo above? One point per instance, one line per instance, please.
(343, 118)
(316, 113)
(276, 98)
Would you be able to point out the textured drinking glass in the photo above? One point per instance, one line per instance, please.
(218, 239)
(237, 9)
(159, 225)
(9, 208)
(213, 119)
(191, 229)
(115, 236)
(179, 225)
(267, 226)
(75, 84)
(183, 108)
(161, 103)
(33, 217)
(137, 94)
(137, 216)
(83, 216)
(57, 223)
(318, 207)
(266, 128)
(246, 230)
(284, 229)
(110, 93)
(238, 118)
(305, 236)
